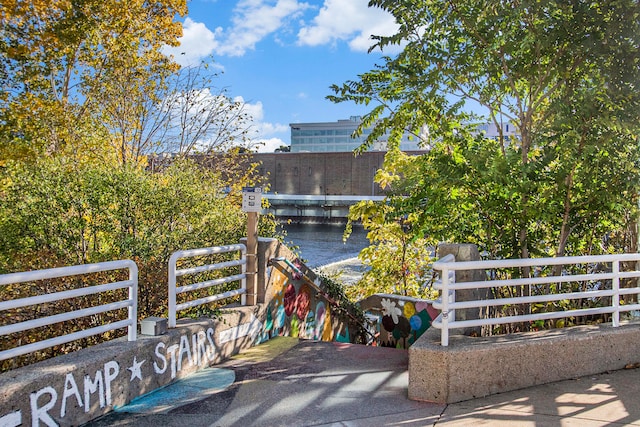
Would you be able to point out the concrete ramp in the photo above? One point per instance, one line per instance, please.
(287, 382)
(291, 382)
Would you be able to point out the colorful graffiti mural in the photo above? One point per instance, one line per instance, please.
(73, 391)
(399, 322)
(295, 310)
(298, 310)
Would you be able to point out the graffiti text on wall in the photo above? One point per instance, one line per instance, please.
(88, 392)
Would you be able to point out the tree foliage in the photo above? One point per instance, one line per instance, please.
(565, 74)
(399, 263)
(200, 118)
(87, 95)
(55, 212)
(58, 213)
(64, 64)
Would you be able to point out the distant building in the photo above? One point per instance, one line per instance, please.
(490, 130)
(337, 137)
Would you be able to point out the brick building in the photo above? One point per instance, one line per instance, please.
(321, 173)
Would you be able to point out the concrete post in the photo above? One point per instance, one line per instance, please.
(466, 252)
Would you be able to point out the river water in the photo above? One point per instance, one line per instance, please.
(321, 246)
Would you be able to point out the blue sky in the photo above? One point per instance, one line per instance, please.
(280, 56)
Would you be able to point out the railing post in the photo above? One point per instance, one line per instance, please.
(465, 253)
(452, 295)
(615, 286)
(133, 297)
(444, 333)
(243, 271)
(172, 290)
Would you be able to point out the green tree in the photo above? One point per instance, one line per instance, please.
(55, 212)
(87, 94)
(399, 263)
(564, 74)
(62, 60)
(197, 118)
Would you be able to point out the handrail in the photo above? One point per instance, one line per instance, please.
(174, 273)
(448, 286)
(131, 303)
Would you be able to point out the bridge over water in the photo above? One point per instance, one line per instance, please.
(313, 207)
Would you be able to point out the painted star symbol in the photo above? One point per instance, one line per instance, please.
(136, 372)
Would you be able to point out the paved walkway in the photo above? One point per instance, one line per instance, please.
(287, 382)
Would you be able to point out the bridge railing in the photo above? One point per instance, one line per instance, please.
(605, 269)
(174, 273)
(131, 303)
(317, 200)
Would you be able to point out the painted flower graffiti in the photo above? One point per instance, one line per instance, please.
(389, 309)
(403, 322)
(303, 301)
(290, 299)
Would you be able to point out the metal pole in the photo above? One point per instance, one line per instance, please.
(172, 289)
(133, 297)
(615, 299)
(444, 332)
(252, 258)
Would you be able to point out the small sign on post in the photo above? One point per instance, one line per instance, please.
(251, 199)
(252, 204)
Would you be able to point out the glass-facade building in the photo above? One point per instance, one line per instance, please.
(491, 130)
(337, 137)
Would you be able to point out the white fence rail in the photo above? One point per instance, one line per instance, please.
(174, 273)
(610, 270)
(131, 303)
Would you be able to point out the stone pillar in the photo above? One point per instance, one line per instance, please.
(467, 252)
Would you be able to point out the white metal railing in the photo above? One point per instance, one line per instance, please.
(131, 303)
(174, 274)
(447, 286)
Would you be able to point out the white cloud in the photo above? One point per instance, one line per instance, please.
(254, 110)
(267, 128)
(270, 145)
(351, 21)
(253, 20)
(263, 132)
(197, 42)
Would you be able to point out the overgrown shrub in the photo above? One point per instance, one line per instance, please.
(56, 213)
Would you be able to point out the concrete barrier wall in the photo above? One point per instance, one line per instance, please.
(476, 367)
(472, 367)
(320, 173)
(75, 388)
